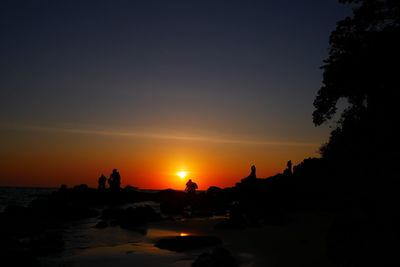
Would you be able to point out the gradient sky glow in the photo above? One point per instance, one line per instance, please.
(155, 87)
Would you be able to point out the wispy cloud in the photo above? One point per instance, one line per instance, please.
(162, 136)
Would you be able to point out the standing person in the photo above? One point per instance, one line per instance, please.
(288, 170)
(253, 172)
(191, 187)
(289, 167)
(115, 180)
(110, 182)
(102, 182)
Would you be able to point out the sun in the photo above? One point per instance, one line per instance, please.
(182, 174)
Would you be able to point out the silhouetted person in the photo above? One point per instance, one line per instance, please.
(110, 182)
(102, 182)
(253, 172)
(191, 187)
(289, 168)
(252, 176)
(115, 180)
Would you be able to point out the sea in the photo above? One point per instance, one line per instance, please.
(86, 245)
(21, 196)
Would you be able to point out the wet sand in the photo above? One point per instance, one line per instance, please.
(297, 243)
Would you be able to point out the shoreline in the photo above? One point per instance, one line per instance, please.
(299, 242)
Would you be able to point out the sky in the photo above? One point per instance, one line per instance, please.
(157, 87)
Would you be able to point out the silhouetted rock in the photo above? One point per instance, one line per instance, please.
(15, 210)
(81, 188)
(216, 200)
(239, 222)
(138, 216)
(78, 213)
(18, 221)
(131, 188)
(101, 224)
(203, 212)
(171, 201)
(275, 218)
(131, 217)
(113, 222)
(182, 243)
(363, 240)
(46, 243)
(112, 213)
(219, 257)
(63, 187)
(13, 253)
(214, 191)
(236, 220)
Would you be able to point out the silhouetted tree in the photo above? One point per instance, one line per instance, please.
(362, 68)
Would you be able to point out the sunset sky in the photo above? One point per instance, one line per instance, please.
(157, 87)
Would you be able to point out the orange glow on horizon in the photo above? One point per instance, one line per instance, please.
(34, 160)
(184, 234)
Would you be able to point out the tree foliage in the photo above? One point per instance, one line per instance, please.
(363, 68)
(363, 62)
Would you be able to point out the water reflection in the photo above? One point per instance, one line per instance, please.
(155, 233)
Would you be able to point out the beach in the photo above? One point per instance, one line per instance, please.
(300, 242)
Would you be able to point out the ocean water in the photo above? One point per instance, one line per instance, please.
(24, 195)
(21, 195)
(86, 245)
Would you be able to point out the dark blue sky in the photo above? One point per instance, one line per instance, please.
(242, 70)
